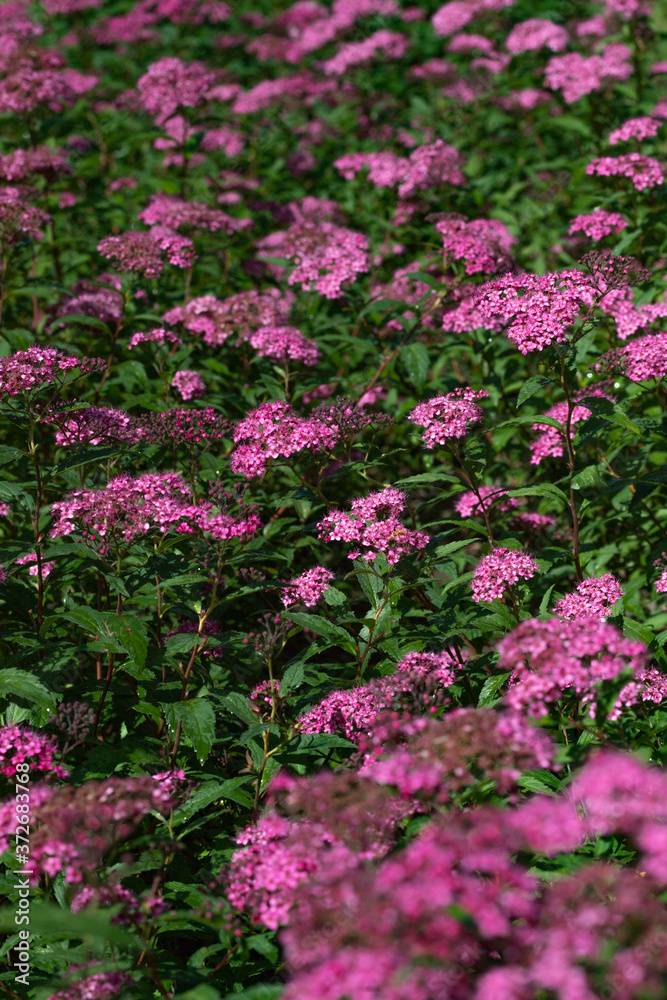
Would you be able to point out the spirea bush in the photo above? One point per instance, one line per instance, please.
(333, 500)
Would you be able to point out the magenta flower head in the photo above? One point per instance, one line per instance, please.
(37, 367)
(591, 597)
(374, 525)
(552, 659)
(499, 570)
(448, 416)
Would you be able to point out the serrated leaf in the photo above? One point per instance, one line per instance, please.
(197, 720)
(316, 623)
(16, 496)
(530, 387)
(531, 783)
(22, 684)
(539, 489)
(416, 362)
(8, 454)
(292, 678)
(489, 694)
(589, 479)
(611, 411)
(93, 455)
(237, 704)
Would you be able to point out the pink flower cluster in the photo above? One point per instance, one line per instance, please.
(218, 319)
(553, 660)
(470, 503)
(595, 597)
(188, 384)
(158, 335)
(483, 244)
(643, 171)
(537, 309)
(169, 84)
(22, 163)
(391, 44)
(307, 588)
(643, 358)
(374, 525)
(128, 508)
(19, 744)
(598, 224)
(417, 684)
(576, 75)
(427, 166)
(325, 256)
(73, 827)
(92, 425)
(635, 128)
(167, 210)
(284, 344)
(38, 367)
(145, 253)
(448, 416)
(536, 33)
(499, 570)
(274, 430)
(31, 560)
(97, 986)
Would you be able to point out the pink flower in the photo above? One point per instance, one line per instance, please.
(643, 171)
(374, 525)
(551, 659)
(576, 75)
(158, 335)
(307, 588)
(189, 384)
(391, 44)
(536, 33)
(37, 367)
(144, 253)
(591, 597)
(283, 344)
(31, 561)
(167, 210)
(448, 416)
(537, 309)
(499, 570)
(19, 744)
(551, 442)
(484, 244)
(170, 84)
(635, 128)
(643, 358)
(325, 256)
(274, 430)
(598, 224)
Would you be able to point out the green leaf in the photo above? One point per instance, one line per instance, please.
(610, 411)
(415, 360)
(197, 720)
(541, 489)
(22, 684)
(489, 694)
(316, 623)
(98, 324)
(530, 387)
(371, 584)
(93, 455)
(292, 678)
(589, 479)
(237, 704)
(94, 927)
(213, 791)
(8, 454)
(531, 783)
(16, 496)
